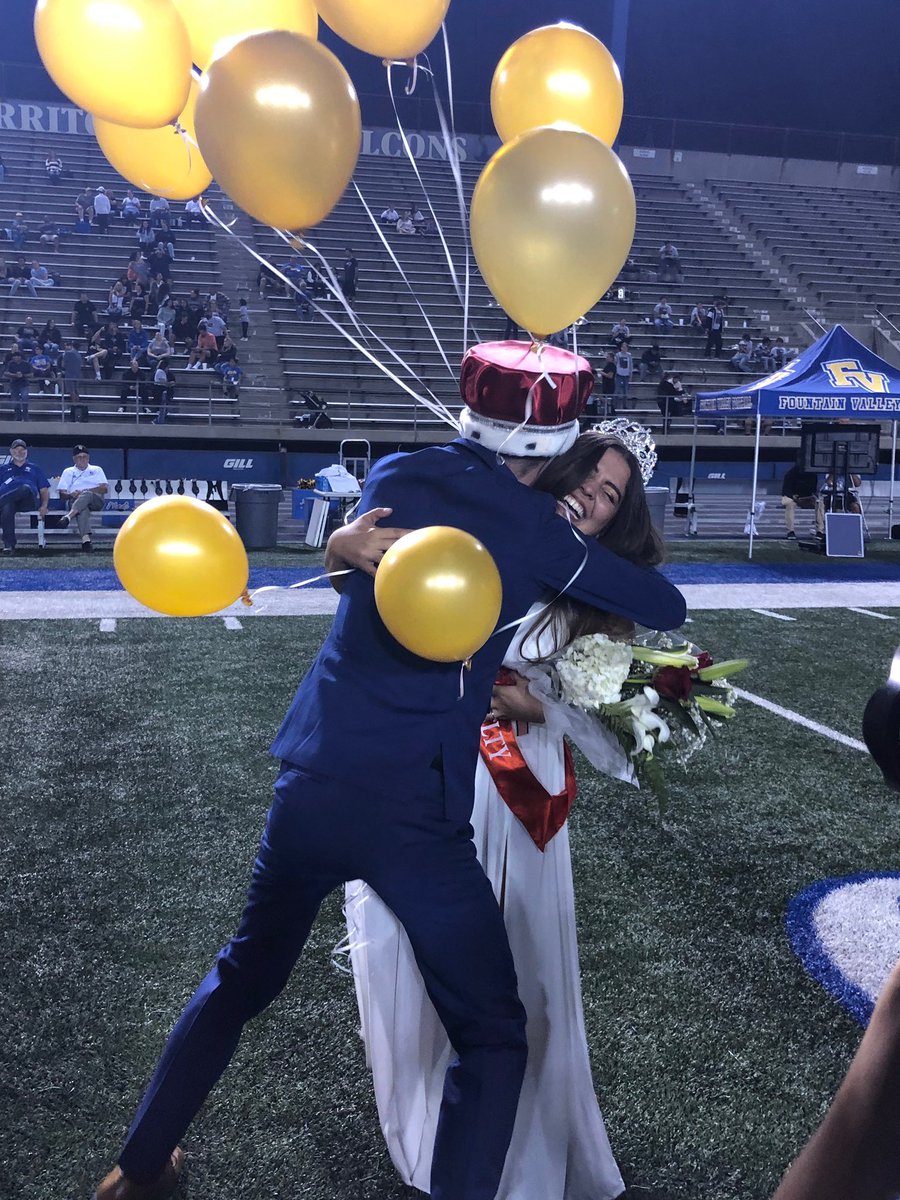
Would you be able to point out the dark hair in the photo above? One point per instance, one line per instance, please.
(630, 534)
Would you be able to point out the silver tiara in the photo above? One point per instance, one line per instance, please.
(638, 440)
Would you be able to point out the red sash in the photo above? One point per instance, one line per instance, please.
(523, 793)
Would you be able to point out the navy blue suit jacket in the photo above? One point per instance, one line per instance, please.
(370, 711)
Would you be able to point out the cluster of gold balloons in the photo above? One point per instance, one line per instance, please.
(268, 110)
(553, 213)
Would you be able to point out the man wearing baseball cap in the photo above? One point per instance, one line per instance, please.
(23, 487)
(83, 487)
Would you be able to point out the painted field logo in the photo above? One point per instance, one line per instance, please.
(849, 373)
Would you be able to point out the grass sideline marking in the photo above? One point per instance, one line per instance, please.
(790, 715)
(867, 612)
(108, 625)
(232, 623)
(767, 612)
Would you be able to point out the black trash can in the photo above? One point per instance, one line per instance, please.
(256, 513)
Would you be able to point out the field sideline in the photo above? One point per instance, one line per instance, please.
(136, 780)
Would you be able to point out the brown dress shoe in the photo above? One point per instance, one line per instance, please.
(117, 1186)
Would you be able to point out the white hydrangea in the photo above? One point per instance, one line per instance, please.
(592, 670)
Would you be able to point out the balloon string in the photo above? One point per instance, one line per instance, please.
(248, 597)
(449, 136)
(326, 274)
(435, 408)
(377, 226)
(412, 158)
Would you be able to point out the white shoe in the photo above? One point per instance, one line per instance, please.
(98, 376)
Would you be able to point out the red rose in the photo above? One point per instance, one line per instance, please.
(704, 659)
(673, 682)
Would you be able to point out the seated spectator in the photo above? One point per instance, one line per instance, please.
(265, 278)
(839, 494)
(84, 206)
(183, 324)
(798, 490)
(146, 236)
(22, 278)
(203, 353)
(130, 209)
(662, 316)
(43, 371)
(781, 354)
(4, 271)
(138, 269)
(84, 317)
(160, 291)
(157, 350)
(764, 355)
(406, 225)
(228, 368)
(303, 304)
(743, 356)
(619, 333)
(138, 339)
(671, 397)
(49, 233)
(83, 487)
(159, 261)
(53, 165)
(196, 306)
(193, 213)
(221, 303)
(165, 316)
(72, 371)
(40, 276)
(23, 487)
(17, 373)
(697, 321)
(27, 336)
(631, 270)
(137, 309)
(102, 209)
(163, 391)
(650, 363)
(227, 353)
(50, 338)
(103, 351)
(165, 237)
(669, 264)
(115, 303)
(159, 209)
(18, 231)
(390, 216)
(134, 385)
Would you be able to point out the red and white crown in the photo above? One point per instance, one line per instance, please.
(526, 404)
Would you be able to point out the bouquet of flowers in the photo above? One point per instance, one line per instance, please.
(660, 698)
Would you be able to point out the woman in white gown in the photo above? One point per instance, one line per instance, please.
(559, 1150)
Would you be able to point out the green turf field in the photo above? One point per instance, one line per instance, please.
(135, 780)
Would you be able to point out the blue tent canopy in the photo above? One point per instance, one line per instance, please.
(836, 377)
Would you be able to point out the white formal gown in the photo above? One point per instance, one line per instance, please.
(559, 1149)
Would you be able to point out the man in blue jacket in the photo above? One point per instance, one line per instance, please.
(23, 487)
(378, 755)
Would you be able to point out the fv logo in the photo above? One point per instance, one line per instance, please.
(849, 373)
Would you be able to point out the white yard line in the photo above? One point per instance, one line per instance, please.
(232, 623)
(108, 625)
(791, 595)
(867, 612)
(790, 715)
(765, 612)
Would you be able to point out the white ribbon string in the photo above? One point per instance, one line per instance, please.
(327, 276)
(278, 587)
(415, 166)
(378, 229)
(436, 408)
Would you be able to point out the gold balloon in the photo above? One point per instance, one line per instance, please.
(557, 73)
(180, 556)
(127, 61)
(552, 221)
(214, 26)
(392, 29)
(158, 160)
(278, 123)
(438, 592)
